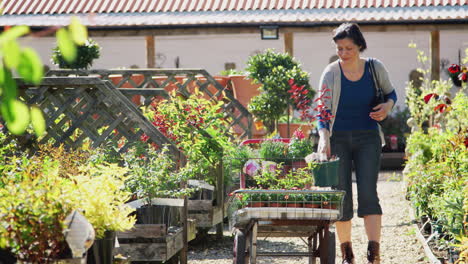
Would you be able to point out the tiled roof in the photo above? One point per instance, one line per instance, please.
(16, 7)
(223, 12)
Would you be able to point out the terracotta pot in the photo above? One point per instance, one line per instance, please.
(244, 90)
(137, 79)
(299, 164)
(255, 204)
(170, 86)
(295, 204)
(311, 205)
(328, 205)
(283, 129)
(275, 204)
(223, 80)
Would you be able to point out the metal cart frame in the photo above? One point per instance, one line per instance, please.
(310, 224)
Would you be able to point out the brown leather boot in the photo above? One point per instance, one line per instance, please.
(347, 253)
(373, 252)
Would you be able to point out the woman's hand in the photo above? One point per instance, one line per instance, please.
(324, 144)
(381, 111)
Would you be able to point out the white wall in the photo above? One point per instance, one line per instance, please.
(313, 50)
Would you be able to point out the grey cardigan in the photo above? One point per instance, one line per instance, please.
(331, 79)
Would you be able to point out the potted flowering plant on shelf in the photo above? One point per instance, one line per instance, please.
(299, 147)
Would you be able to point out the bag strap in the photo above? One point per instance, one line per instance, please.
(378, 88)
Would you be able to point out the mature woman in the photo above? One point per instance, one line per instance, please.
(353, 134)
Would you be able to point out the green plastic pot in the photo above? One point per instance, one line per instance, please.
(326, 174)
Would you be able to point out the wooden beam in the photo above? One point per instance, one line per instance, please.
(150, 52)
(435, 55)
(289, 43)
(254, 30)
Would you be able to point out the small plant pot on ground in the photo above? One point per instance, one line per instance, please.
(102, 251)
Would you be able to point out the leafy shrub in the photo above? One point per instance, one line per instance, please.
(102, 197)
(155, 175)
(86, 53)
(34, 203)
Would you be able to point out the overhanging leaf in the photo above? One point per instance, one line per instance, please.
(9, 85)
(78, 31)
(66, 45)
(13, 33)
(16, 116)
(11, 54)
(38, 121)
(30, 67)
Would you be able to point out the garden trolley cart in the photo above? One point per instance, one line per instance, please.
(305, 213)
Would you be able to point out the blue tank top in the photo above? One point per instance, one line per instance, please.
(355, 103)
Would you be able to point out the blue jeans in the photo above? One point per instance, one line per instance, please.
(363, 147)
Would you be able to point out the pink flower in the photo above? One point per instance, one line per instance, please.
(298, 134)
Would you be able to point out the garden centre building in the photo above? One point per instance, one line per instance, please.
(220, 34)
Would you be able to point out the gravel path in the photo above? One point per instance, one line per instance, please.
(399, 242)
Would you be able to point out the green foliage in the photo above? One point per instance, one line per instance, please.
(198, 127)
(84, 55)
(267, 108)
(437, 150)
(274, 71)
(34, 202)
(28, 66)
(103, 198)
(300, 148)
(154, 175)
(273, 150)
(231, 72)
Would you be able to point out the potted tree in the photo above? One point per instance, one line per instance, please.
(274, 71)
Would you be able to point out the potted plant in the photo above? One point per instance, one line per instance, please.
(102, 197)
(298, 148)
(274, 71)
(313, 200)
(86, 53)
(154, 175)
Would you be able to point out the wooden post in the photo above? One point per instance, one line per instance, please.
(289, 43)
(435, 55)
(150, 52)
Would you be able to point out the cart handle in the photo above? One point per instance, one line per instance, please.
(260, 140)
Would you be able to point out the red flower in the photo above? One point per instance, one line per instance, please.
(440, 107)
(466, 142)
(454, 69)
(429, 96)
(463, 76)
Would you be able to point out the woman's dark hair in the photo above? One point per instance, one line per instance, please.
(352, 31)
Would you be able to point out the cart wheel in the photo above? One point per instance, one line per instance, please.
(239, 247)
(331, 248)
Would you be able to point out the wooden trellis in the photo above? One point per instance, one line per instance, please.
(185, 81)
(81, 108)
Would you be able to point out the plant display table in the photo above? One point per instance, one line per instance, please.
(153, 242)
